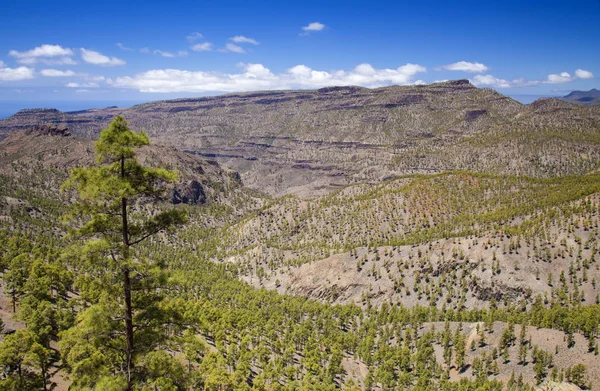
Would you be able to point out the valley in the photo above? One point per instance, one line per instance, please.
(423, 237)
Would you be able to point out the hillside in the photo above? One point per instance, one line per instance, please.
(405, 252)
(35, 162)
(311, 142)
(386, 250)
(453, 240)
(586, 98)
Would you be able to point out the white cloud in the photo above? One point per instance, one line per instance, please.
(583, 74)
(42, 51)
(181, 53)
(314, 26)
(56, 73)
(54, 61)
(258, 77)
(242, 39)
(465, 66)
(82, 85)
(231, 47)
(123, 47)
(202, 47)
(522, 82)
(1, 63)
(494, 82)
(563, 77)
(96, 58)
(16, 74)
(163, 53)
(146, 50)
(48, 54)
(491, 81)
(194, 37)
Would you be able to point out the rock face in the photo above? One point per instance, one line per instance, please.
(50, 129)
(309, 143)
(190, 192)
(51, 147)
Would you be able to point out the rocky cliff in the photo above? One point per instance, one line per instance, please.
(311, 142)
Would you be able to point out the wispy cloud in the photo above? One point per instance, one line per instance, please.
(464, 66)
(194, 37)
(158, 52)
(563, 77)
(491, 81)
(123, 47)
(312, 27)
(82, 85)
(163, 53)
(231, 47)
(95, 78)
(48, 54)
(242, 39)
(56, 73)
(202, 47)
(96, 58)
(181, 53)
(258, 77)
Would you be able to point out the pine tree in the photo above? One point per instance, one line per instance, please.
(16, 277)
(460, 353)
(578, 375)
(111, 196)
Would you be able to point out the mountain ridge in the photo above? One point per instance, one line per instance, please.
(310, 142)
(586, 98)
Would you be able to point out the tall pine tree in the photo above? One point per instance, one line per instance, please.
(116, 214)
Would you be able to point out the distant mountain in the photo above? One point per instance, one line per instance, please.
(587, 98)
(310, 142)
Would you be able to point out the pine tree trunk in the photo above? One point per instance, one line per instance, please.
(128, 324)
(44, 376)
(127, 286)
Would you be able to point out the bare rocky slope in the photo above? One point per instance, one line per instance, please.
(311, 142)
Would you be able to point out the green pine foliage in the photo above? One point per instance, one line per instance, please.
(116, 215)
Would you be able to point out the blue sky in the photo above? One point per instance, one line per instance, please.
(143, 50)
